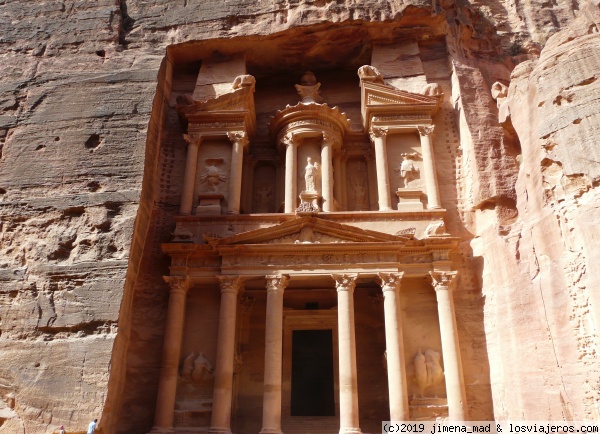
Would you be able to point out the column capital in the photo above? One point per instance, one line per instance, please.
(277, 282)
(229, 284)
(377, 132)
(193, 139)
(390, 281)
(443, 280)
(177, 283)
(289, 139)
(426, 130)
(328, 137)
(238, 137)
(345, 282)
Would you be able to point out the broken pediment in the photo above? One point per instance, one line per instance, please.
(310, 230)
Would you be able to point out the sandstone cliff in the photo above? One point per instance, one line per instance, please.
(80, 237)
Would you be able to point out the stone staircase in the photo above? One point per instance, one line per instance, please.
(311, 425)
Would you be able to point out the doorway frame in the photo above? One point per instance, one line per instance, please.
(307, 320)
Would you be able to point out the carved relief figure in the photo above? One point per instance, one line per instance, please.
(262, 198)
(360, 194)
(408, 170)
(196, 368)
(311, 174)
(212, 175)
(428, 371)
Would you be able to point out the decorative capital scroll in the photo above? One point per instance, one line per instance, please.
(344, 282)
(277, 282)
(390, 281)
(377, 132)
(193, 139)
(230, 284)
(177, 284)
(289, 140)
(426, 130)
(238, 137)
(443, 280)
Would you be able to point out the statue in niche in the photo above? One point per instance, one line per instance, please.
(428, 371)
(360, 194)
(262, 197)
(408, 170)
(196, 368)
(311, 174)
(213, 176)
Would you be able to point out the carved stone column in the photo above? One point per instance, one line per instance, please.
(273, 354)
(394, 342)
(349, 422)
(291, 173)
(431, 185)
(337, 175)
(443, 283)
(239, 139)
(189, 177)
(327, 172)
(222, 391)
(378, 136)
(167, 386)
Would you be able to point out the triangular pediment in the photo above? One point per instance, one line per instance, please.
(309, 230)
(391, 105)
(382, 94)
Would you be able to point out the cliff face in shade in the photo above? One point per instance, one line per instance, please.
(89, 138)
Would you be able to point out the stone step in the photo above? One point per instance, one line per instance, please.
(311, 425)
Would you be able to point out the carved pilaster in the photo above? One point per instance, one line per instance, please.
(189, 177)
(239, 139)
(378, 136)
(431, 185)
(291, 171)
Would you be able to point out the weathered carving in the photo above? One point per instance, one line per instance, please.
(390, 281)
(370, 73)
(182, 236)
(193, 139)
(196, 368)
(277, 282)
(436, 229)
(432, 89)
(244, 81)
(359, 190)
(407, 231)
(308, 89)
(428, 371)
(212, 175)
(307, 207)
(408, 170)
(377, 132)
(229, 283)
(262, 198)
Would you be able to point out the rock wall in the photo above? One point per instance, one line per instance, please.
(79, 237)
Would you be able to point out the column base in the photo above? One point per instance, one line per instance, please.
(350, 431)
(161, 430)
(270, 431)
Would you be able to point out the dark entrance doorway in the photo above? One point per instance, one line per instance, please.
(312, 373)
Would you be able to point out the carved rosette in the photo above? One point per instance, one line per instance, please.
(426, 130)
(229, 284)
(277, 282)
(238, 137)
(443, 280)
(390, 281)
(344, 282)
(178, 284)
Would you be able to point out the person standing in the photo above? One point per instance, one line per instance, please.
(61, 430)
(92, 426)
